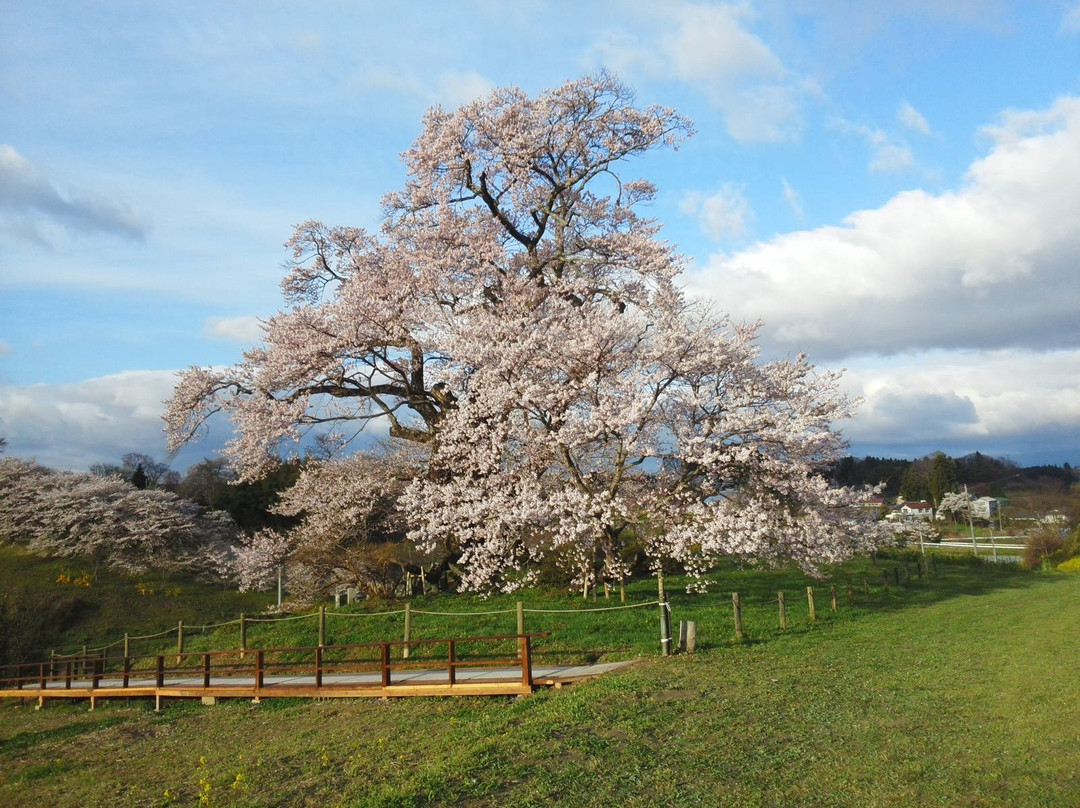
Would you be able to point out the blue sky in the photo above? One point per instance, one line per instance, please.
(890, 186)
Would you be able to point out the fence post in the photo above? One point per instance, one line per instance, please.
(832, 597)
(885, 580)
(259, 660)
(736, 607)
(206, 669)
(783, 611)
(179, 642)
(850, 593)
(322, 625)
(384, 659)
(810, 602)
(405, 650)
(896, 575)
(866, 588)
(243, 634)
(907, 574)
(127, 669)
(450, 665)
(159, 672)
(665, 617)
(127, 646)
(318, 666)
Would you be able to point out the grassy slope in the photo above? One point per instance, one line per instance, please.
(963, 693)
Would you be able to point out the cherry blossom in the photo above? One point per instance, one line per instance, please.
(521, 321)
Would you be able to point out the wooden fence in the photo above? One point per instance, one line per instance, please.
(501, 664)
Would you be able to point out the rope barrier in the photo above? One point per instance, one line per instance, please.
(581, 611)
(280, 619)
(367, 614)
(465, 614)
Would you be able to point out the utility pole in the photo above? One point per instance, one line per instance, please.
(971, 522)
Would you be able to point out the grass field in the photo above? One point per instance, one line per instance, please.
(960, 690)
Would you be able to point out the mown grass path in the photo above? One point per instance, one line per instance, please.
(966, 700)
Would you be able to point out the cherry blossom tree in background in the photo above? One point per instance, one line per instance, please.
(108, 521)
(520, 320)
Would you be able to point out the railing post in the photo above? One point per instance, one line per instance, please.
(318, 666)
(783, 611)
(259, 660)
(243, 635)
(832, 597)
(67, 675)
(384, 650)
(810, 602)
(206, 670)
(127, 646)
(159, 674)
(99, 665)
(450, 665)
(322, 625)
(525, 650)
(127, 669)
(179, 642)
(42, 679)
(406, 651)
(736, 607)
(520, 608)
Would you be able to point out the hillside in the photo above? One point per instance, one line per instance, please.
(960, 694)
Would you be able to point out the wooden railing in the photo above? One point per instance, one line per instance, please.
(318, 667)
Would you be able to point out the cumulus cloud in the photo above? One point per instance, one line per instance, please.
(711, 48)
(989, 265)
(1025, 403)
(722, 215)
(71, 426)
(245, 329)
(28, 196)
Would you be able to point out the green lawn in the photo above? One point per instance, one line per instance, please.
(961, 690)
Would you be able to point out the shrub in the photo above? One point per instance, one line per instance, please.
(1041, 545)
(1072, 565)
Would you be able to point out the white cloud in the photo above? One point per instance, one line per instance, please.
(722, 215)
(791, 196)
(247, 329)
(27, 195)
(711, 48)
(71, 426)
(990, 265)
(1070, 22)
(887, 154)
(1025, 402)
(913, 119)
(452, 90)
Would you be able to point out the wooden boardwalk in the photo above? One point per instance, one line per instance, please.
(420, 668)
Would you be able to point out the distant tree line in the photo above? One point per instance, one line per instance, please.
(936, 474)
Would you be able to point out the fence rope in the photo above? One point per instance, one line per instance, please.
(600, 609)
(465, 614)
(280, 619)
(366, 614)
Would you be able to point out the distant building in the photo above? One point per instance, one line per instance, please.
(912, 512)
(984, 508)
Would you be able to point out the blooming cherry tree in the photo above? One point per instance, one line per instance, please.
(520, 320)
